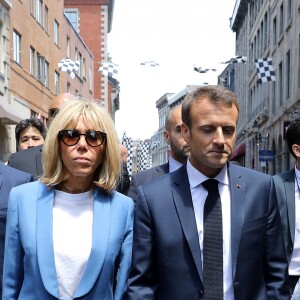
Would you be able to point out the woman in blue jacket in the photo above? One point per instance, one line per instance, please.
(69, 235)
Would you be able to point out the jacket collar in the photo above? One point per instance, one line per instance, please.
(101, 221)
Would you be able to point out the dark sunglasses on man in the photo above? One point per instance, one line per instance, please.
(71, 137)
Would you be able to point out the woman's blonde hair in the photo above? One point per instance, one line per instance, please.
(95, 118)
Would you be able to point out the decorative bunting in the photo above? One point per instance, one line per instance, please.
(237, 59)
(150, 63)
(265, 71)
(69, 66)
(109, 69)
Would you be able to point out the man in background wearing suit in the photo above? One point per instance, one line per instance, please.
(30, 160)
(9, 178)
(179, 151)
(288, 195)
(192, 241)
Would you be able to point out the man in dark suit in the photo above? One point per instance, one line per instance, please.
(175, 233)
(288, 195)
(9, 178)
(30, 160)
(179, 151)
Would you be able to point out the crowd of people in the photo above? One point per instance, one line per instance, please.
(75, 226)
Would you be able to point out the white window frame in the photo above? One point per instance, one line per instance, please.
(56, 32)
(39, 11)
(56, 83)
(17, 38)
(32, 61)
(46, 19)
(40, 74)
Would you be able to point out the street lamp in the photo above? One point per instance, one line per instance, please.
(255, 127)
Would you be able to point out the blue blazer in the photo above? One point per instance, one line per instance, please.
(9, 178)
(29, 266)
(167, 260)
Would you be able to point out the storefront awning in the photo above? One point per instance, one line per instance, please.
(7, 114)
(239, 151)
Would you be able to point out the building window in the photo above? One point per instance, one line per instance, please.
(32, 7)
(80, 66)
(39, 11)
(41, 68)
(274, 102)
(69, 87)
(68, 47)
(46, 19)
(288, 74)
(90, 79)
(299, 61)
(289, 10)
(72, 16)
(56, 83)
(17, 47)
(31, 62)
(2, 49)
(46, 74)
(76, 54)
(281, 20)
(56, 32)
(274, 31)
(280, 84)
(83, 68)
(265, 39)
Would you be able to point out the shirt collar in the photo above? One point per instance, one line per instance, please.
(196, 177)
(297, 173)
(173, 164)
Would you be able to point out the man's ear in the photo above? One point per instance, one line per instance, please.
(167, 136)
(296, 150)
(185, 132)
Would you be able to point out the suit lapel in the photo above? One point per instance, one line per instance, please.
(289, 186)
(185, 210)
(237, 195)
(44, 232)
(101, 224)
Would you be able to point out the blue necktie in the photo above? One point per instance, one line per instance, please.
(212, 243)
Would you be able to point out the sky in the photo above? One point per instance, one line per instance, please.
(174, 33)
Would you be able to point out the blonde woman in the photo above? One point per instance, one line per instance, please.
(69, 235)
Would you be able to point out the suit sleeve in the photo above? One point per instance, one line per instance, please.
(276, 265)
(142, 278)
(125, 256)
(13, 255)
(133, 190)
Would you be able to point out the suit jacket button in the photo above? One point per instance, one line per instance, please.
(200, 293)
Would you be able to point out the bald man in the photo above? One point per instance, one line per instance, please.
(30, 160)
(179, 152)
(55, 105)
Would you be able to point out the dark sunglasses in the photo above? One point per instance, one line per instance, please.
(52, 112)
(71, 137)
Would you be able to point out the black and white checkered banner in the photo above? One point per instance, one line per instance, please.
(150, 63)
(143, 156)
(201, 70)
(69, 66)
(127, 142)
(109, 69)
(265, 71)
(237, 59)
